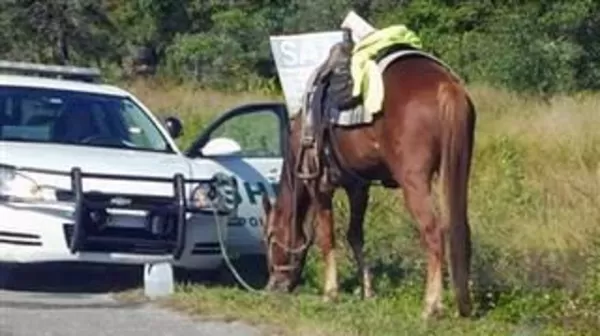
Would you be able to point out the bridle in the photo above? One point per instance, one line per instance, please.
(307, 227)
(333, 157)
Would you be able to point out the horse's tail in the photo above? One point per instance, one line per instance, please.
(457, 123)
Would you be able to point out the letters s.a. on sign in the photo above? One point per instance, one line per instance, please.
(303, 50)
(296, 57)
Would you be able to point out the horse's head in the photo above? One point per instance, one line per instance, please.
(286, 243)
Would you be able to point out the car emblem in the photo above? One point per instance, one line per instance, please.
(120, 201)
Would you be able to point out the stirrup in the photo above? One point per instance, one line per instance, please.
(307, 176)
(299, 165)
(307, 141)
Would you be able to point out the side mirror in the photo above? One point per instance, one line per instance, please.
(174, 127)
(221, 147)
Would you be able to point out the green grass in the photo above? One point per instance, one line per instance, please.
(305, 314)
(535, 216)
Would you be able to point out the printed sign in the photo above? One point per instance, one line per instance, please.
(296, 57)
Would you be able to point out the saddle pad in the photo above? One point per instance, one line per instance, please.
(370, 46)
(373, 90)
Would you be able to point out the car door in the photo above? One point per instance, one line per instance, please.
(247, 142)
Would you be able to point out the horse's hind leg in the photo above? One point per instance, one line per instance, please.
(419, 201)
(358, 197)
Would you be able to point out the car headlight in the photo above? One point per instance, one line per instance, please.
(219, 194)
(17, 186)
(202, 196)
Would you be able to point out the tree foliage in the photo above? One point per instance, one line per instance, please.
(535, 46)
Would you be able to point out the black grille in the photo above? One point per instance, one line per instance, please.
(19, 238)
(122, 240)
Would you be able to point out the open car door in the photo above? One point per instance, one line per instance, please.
(248, 143)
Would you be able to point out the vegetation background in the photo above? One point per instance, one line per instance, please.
(533, 68)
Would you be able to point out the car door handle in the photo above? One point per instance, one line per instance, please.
(273, 174)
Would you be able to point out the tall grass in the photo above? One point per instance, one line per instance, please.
(534, 207)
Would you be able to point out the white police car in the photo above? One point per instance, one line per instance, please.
(88, 174)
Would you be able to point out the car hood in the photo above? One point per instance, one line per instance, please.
(93, 159)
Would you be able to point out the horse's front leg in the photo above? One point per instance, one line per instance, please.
(326, 241)
(358, 197)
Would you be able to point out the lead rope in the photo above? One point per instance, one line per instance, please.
(219, 221)
(288, 249)
(238, 277)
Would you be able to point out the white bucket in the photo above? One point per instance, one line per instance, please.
(158, 280)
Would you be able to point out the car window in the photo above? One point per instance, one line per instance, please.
(257, 133)
(54, 116)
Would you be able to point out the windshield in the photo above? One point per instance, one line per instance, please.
(66, 117)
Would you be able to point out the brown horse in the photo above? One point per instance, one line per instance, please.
(425, 130)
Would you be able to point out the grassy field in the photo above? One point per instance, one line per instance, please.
(535, 215)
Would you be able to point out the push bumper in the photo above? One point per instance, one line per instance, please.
(79, 228)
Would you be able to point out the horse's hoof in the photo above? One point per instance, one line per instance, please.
(275, 286)
(368, 295)
(364, 294)
(330, 297)
(433, 313)
(465, 310)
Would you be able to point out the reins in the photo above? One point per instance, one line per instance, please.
(291, 182)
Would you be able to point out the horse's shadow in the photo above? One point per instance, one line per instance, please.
(393, 272)
(387, 275)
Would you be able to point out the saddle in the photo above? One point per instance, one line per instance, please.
(329, 90)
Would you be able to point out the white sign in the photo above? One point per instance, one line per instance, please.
(359, 27)
(296, 57)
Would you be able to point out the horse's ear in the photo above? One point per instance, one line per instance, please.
(266, 204)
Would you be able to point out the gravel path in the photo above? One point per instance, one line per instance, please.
(56, 302)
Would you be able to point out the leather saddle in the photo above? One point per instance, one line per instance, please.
(329, 90)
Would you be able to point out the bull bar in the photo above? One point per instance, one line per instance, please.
(82, 235)
(175, 207)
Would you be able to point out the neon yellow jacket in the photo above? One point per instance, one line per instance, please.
(369, 46)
